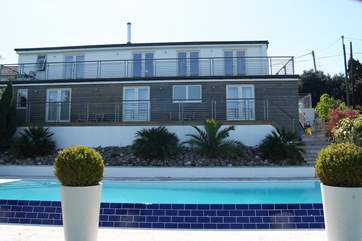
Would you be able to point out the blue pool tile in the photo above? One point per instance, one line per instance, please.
(241, 206)
(134, 212)
(115, 205)
(254, 206)
(203, 206)
(197, 226)
(114, 218)
(5, 208)
(146, 212)
(306, 206)
(223, 213)
(281, 206)
(12, 202)
(20, 214)
(243, 219)
(316, 225)
(49, 209)
(314, 212)
(210, 226)
(293, 206)
(13, 220)
(56, 204)
(24, 220)
(249, 213)
(107, 224)
(131, 205)
(281, 219)
(38, 209)
(170, 225)
(170, 212)
(164, 219)
(178, 206)
(262, 226)
(302, 225)
(236, 226)
(153, 206)
(145, 225)
(58, 222)
(158, 225)
(35, 221)
(27, 209)
(317, 206)
(229, 219)
(249, 226)
(197, 213)
(229, 206)
(289, 226)
(267, 206)
(31, 215)
(274, 213)
(184, 225)
(268, 219)
(191, 219)
(276, 225)
(141, 205)
(23, 202)
(209, 213)
(256, 219)
(236, 213)
(158, 212)
(190, 206)
(216, 219)
(223, 225)
(177, 219)
(132, 225)
(128, 218)
(47, 221)
(108, 211)
(165, 206)
(151, 219)
(58, 210)
(139, 218)
(295, 219)
(2, 202)
(119, 224)
(105, 205)
(216, 206)
(124, 211)
(319, 219)
(203, 219)
(307, 219)
(45, 203)
(103, 217)
(301, 212)
(184, 213)
(16, 208)
(4, 220)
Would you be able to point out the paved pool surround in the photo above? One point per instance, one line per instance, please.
(175, 216)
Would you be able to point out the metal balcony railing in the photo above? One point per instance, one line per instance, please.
(152, 68)
(159, 111)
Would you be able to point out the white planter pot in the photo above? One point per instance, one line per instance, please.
(80, 209)
(342, 212)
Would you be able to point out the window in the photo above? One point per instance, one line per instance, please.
(137, 65)
(188, 63)
(234, 61)
(149, 64)
(58, 105)
(187, 93)
(228, 63)
(40, 63)
(22, 99)
(240, 63)
(240, 102)
(136, 103)
(74, 67)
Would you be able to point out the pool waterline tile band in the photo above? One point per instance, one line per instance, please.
(176, 216)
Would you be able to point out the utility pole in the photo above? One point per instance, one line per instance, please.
(351, 75)
(345, 72)
(315, 65)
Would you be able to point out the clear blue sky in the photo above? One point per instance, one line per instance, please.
(292, 27)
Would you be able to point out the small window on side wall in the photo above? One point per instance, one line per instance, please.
(187, 94)
(40, 63)
(22, 99)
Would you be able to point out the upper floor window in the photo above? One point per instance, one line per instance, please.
(186, 93)
(138, 65)
(74, 66)
(40, 62)
(188, 63)
(22, 99)
(234, 62)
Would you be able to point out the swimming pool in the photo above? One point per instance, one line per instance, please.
(176, 204)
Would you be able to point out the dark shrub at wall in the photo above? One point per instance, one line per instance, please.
(282, 147)
(340, 165)
(34, 141)
(155, 143)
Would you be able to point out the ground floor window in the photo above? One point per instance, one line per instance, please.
(136, 103)
(240, 102)
(58, 105)
(22, 99)
(186, 94)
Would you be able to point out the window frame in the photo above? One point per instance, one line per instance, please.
(148, 102)
(47, 105)
(74, 65)
(235, 63)
(18, 99)
(239, 87)
(188, 62)
(43, 63)
(187, 100)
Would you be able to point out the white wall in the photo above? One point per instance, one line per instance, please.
(94, 136)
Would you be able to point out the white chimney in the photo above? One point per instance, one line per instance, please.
(128, 33)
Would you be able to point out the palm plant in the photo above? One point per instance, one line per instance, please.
(213, 141)
(281, 146)
(34, 141)
(155, 143)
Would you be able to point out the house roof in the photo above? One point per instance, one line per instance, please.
(144, 45)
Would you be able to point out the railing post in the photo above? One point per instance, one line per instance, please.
(46, 71)
(98, 64)
(293, 65)
(270, 66)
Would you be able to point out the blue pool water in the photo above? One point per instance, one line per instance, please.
(185, 192)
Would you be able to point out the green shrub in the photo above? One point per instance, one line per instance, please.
(325, 105)
(282, 147)
(155, 143)
(34, 141)
(213, 141)
(348, 130)
(79, 166)
(340, 165)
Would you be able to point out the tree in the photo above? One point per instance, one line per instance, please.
(7, 116)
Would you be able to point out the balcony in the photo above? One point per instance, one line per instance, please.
(152, 68)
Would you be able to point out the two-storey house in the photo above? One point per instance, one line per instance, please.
(102, 94)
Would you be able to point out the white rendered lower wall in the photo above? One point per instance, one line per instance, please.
(94, 136)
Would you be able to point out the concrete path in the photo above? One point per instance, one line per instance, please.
(51, 233)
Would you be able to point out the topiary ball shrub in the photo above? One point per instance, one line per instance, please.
(79, 166)
(340, 165)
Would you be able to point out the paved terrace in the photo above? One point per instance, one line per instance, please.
(51, 233)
